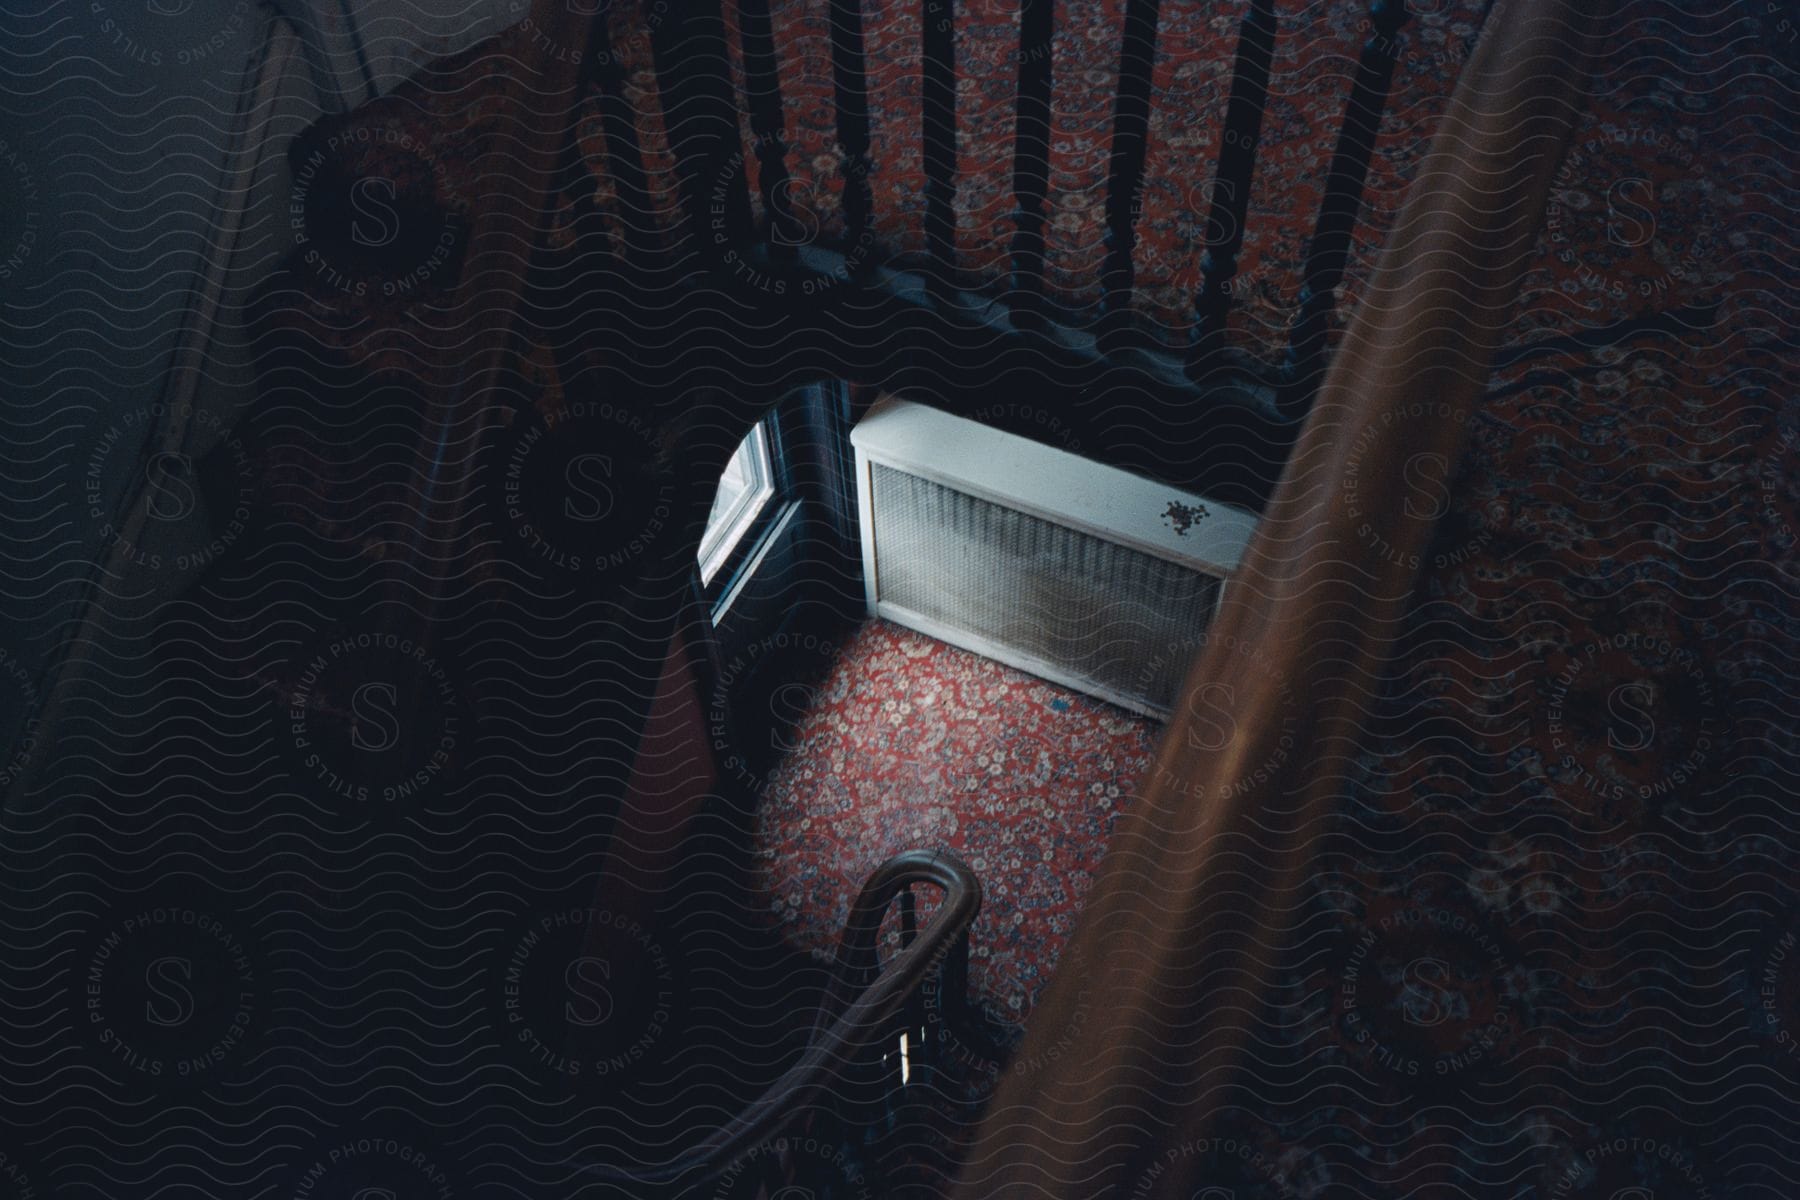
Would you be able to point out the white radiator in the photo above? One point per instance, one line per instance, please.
(1063, 567)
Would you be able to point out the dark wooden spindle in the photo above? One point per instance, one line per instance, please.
(1125, 171)
(624, 156)
(693, 72)
(1031, 160)
(953, 987)
(1230, 186)
(1329, 252)
(937, 95)
(762, 80)
(850, 93)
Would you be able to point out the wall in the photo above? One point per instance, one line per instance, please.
(144, 196)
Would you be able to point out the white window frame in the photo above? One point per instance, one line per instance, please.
(729, 527)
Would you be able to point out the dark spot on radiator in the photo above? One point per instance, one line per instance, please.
(1182, 516)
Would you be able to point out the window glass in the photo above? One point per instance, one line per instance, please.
(746, 485)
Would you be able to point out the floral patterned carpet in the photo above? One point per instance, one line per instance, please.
(913, 744)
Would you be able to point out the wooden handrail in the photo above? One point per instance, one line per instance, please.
(856, 954)
(1180, 948)
(858, 1006)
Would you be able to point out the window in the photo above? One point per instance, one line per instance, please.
(744, 491)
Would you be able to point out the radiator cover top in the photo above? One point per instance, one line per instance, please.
(1063, 567)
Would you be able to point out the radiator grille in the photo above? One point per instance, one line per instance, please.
(1121, 621)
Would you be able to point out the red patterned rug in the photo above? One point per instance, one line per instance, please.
(910, 743)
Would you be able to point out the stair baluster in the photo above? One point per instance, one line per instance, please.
(624, 156)
(1031, 161)
(1125, 170)
(938, 103)
(762, 82)
(1230, 188)
(850, 94)
(694, 83)
(1329, 252)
